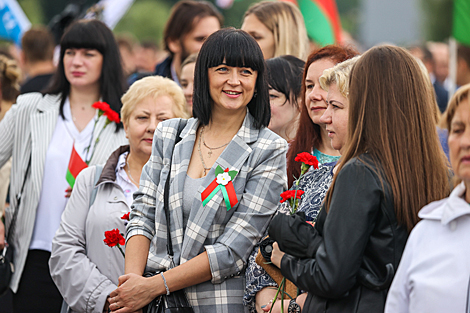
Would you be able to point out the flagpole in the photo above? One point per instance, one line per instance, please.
(452, 66)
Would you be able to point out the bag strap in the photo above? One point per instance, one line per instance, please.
(98, 171)
(11, 229)
(166, 206)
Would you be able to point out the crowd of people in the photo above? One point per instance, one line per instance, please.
(185, 160)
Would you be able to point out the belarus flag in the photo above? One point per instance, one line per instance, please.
(76, 165)
(461, 21)
(321, 20)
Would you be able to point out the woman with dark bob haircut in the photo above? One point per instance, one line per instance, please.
(46, 135)
(242, 54)
(212, 231)
(285, 86)
(92, 35)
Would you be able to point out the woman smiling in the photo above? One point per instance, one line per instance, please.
(211, 237)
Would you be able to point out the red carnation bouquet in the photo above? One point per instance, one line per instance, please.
(286, 288)
(113, 238)
(293, 195)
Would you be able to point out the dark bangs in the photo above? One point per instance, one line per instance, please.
(235, 48)
(237, 51)
(285, 76)
(92, 34)
(84, 35)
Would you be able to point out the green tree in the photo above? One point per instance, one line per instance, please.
(33, 10)
(145, 19)
(438, 19)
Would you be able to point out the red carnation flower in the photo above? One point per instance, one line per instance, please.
(307, 158)
(290, 194)
(100, 105)
(113, 237)
(125, 216)
(112, 116)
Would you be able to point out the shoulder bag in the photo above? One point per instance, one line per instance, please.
(175, 302)
(7, 267)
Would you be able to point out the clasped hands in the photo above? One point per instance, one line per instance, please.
(133, 293)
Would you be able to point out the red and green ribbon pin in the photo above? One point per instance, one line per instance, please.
(223, 181)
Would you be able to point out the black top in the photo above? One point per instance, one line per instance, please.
(354, 248)
(36, 84)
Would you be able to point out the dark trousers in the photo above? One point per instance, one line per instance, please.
(6, 305)
(37, 292)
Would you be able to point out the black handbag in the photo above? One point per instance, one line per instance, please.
(175, 302)
(7, 267)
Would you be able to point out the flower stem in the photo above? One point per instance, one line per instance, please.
(94, 146)
(120, 249)
(277, 294)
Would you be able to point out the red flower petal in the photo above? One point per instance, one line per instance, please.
(112, 116)
(113, 237)
(126, 216)
(100, 105)
(307, 158)
(286, 195)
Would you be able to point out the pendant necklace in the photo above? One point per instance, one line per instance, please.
(205, 145)
(200, 153)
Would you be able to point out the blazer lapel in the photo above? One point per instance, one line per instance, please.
(43, 123)
(180, 162)
(201, 218)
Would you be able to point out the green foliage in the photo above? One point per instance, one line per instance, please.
(33, 10)
(234, 15)
(145, 19)
(349, 12)
(437, 19)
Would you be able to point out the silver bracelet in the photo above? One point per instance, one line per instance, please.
(166, 286)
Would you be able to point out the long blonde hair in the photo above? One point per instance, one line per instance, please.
(286, 23)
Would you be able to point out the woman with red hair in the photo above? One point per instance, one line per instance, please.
(311, 137)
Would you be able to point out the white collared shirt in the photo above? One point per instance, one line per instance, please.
(52, 200)
(123, 180)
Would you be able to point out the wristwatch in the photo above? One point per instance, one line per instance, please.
(294, 307)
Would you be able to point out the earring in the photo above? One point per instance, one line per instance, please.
(255, 94)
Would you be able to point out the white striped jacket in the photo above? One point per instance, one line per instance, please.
(27, 130)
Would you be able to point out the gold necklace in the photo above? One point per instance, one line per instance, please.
(200, 153)
(210, 149)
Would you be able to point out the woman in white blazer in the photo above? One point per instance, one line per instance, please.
(41, 130)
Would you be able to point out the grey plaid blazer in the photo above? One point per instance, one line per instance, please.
(27, 129)
(259, 156)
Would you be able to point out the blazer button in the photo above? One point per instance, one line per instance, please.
(115, 198)
(238, 274)
(225, 277)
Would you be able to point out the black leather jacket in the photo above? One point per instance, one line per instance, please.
(354, 248)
